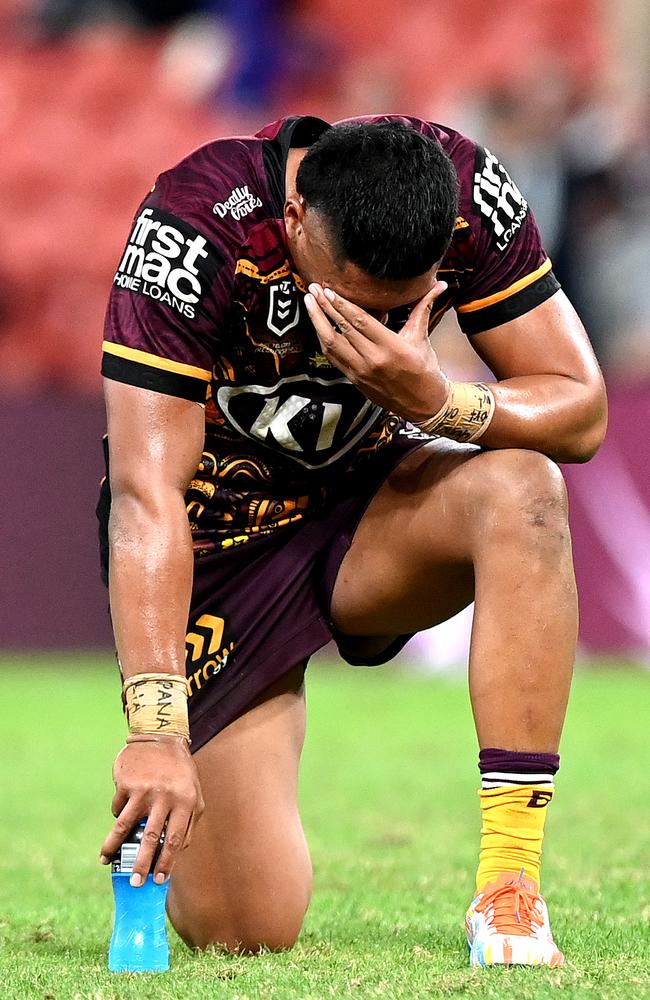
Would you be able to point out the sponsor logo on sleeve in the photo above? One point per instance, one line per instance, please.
(239, 203)
(169, 261)
(498, 198)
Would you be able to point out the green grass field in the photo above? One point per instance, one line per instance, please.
(390, 807)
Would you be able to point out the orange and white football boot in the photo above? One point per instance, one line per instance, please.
(507, 924)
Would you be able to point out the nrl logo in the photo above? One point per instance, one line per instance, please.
(284, 308)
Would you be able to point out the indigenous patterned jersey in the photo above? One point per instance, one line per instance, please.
(207, 305)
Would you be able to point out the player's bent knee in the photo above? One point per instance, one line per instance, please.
(525, 487)
(241, 936)
(268, 920)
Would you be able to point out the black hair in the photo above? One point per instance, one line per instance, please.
(389, 196)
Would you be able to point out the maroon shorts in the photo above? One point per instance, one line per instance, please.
(261, 609)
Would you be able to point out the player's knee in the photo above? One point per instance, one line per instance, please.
(524, 492)
(269, 924)
(278, 932)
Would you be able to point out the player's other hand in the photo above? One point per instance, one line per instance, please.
(158, 780)
(400, 373)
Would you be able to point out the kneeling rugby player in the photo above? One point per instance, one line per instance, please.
(288, 464)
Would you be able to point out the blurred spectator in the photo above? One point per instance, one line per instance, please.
(608, 232)
(522, 123)
(61, 17)
(583, 165)
(246, 37)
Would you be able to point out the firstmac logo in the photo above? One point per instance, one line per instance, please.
(167, 260)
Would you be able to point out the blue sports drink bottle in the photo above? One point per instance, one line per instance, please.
(139, 940)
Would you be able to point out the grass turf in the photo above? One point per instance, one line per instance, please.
(390, 808)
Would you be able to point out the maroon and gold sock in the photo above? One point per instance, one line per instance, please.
(516, 789)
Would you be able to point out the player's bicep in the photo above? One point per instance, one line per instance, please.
(548, 340)
(155, 440)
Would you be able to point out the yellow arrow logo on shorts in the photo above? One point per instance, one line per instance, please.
(213, 627)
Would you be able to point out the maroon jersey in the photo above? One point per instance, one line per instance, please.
(207, 305)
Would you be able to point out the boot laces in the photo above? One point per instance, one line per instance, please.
(512, 909)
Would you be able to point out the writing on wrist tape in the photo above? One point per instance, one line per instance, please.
(157, 704)
(465, 415)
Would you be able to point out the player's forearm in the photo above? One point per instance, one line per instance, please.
(553, 414)
(150, 576)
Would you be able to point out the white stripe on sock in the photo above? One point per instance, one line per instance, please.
(498, 780)
(517, 776)
(485, 785)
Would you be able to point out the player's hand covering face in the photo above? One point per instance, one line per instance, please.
(397, 371)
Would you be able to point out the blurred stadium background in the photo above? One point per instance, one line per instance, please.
(98, 96)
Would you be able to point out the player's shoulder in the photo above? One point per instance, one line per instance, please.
(235, 179)
(491, 207)
(227, 186)
(459, 147)
(489, 200)
(219, 187)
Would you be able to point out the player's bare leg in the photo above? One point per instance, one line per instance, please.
(454, 524)
(458, 525)
(245, 880)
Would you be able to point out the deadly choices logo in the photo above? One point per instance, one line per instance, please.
(168, 261)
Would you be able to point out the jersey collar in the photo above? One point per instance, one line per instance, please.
(297, 132)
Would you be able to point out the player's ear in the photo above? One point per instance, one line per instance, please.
(294, 214)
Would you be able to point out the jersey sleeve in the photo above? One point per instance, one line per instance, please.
(510, 273)
(167, 305)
